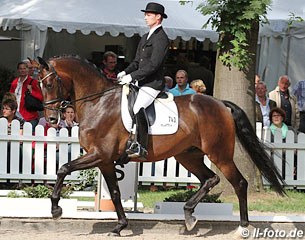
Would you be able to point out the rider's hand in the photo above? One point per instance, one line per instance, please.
(121, 74)
(125, 80)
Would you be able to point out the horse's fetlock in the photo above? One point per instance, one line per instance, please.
(116, 195)
(243, 183)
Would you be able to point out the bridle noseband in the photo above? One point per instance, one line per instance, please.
(60, 98)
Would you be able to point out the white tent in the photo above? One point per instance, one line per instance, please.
(281, 51)
(35, 17)
(282, 48)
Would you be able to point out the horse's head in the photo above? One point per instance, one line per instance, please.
(54, 92)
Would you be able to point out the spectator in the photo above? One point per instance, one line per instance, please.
(19, 87)
(277, 120)
(9, 95)
(69, 116)
(109, 65)
(198, 86)
(168, 83)
(263, 104)
(286, 101)
(299, 92)
(182, 87)
(32, 71)
(9, 108)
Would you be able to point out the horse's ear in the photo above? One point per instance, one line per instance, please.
(34, 63)
(43, 63)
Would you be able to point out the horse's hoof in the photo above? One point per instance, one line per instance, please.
(113, 234)
(56, 213)
(190, 223)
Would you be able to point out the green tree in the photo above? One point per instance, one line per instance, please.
(237, 22)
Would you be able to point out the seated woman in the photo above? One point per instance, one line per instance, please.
(277, 118)
(9, 95)
(9, 109)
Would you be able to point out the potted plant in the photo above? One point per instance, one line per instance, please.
(209, 205)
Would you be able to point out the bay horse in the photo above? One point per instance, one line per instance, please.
(206, 127)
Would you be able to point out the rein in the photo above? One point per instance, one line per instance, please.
(64, 103)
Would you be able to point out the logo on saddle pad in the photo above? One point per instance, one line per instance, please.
(165, 120)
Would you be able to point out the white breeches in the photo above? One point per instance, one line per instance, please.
(145, 97)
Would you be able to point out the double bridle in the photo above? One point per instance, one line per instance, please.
(63, 102)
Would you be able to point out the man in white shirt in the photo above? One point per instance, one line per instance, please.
(263, 104)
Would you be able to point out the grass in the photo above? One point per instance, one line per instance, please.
(269, 201)
(266, 201)
(149, 198)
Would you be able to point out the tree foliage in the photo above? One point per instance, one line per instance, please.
(233, 20)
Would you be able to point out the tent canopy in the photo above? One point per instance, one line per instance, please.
(281, 50)
(100, 16)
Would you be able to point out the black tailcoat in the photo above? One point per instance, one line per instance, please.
(147, 67)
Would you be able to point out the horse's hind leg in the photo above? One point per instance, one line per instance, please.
(193, 161)
(86, 161)
(239, 183)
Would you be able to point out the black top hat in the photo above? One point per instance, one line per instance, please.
(155, 8)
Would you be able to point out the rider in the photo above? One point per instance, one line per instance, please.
(146, 71)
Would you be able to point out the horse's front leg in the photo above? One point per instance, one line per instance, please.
(86, 161)
(113, 187)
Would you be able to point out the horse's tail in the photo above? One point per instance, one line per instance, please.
(255, 148)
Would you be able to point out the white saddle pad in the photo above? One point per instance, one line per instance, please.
(166, 115)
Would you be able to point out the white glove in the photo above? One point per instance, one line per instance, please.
(121, 74)
(125, 80)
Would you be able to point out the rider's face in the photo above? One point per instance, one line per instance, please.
(152, 19)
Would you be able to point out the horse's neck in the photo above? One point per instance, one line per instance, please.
(89, 92)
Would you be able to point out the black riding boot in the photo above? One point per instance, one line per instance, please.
(138, 147)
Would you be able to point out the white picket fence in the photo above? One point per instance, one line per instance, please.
(288, 155)
(22, 166)
(27, 157)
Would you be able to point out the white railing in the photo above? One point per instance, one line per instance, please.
(39, 162)
(27, 157)
(288, 155)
